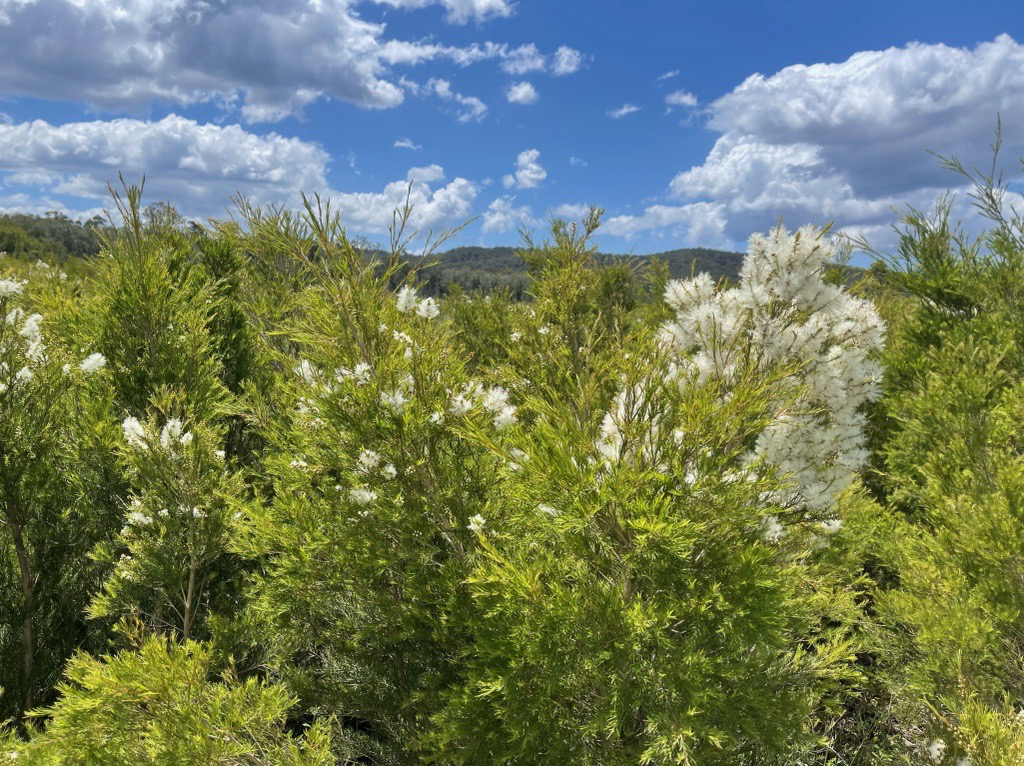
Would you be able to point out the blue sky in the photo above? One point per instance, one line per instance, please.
(690, 123)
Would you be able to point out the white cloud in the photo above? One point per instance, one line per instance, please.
(406, 143)
(681, 98)
(521, 93)
(427, 175)
(524, 59)
(576, 162)
(460, 11)
(623, 110)
(370, 212)
(502, 216)
(667, 76)
(566, 61)
(847, 141)
(700, 222)
(528, 173)
(199, 167)
(472, 108)
(268, 59)
(571, 211)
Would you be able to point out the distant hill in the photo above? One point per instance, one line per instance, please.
(56, 237)
(489, 268)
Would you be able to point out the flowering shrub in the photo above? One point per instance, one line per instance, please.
(784, 313)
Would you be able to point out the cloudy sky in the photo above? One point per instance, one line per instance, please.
(690, 123)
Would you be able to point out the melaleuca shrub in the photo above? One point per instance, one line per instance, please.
(167, 703)
(785, 312)
(638, 607)
(152, 315)
(952, 476)
(42, 546)
(363, 547)
(170, 565)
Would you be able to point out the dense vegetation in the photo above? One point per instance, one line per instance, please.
(268, 497)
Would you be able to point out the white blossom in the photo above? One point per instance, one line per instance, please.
(299, 463)
(477, 523)
(11, 287)
(459, 405)
(368, 460)
(936, 750)
(173, 433)
(389, 471)
(428, 308)
(139, 519)
(406, 300)
(362, 373)
(93, 363)
(505, 417)
(831, 526)
(30, 328)
(771, 529)
(134, 433)
(361, 495)
(396, 400)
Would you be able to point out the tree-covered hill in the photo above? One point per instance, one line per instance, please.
(489, 268)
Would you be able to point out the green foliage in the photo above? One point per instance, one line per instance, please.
(272, 496)
(159, 705)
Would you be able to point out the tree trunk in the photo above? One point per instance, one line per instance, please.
(27, 625)
(189, 596)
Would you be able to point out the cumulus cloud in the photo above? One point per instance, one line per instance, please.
(566, 61)
(528, 173)
(521, 93)
(199, 167)
(622, 111)
(571, 211)
(576, 162)
(269, 59)
(699, 222)
(847, 141)
(524, 59)
(502, 216)
(407, 143)
(370, 212)
(681, 98)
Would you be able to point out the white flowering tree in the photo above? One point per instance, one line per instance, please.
(364, 548)
(627, 606)
(785, 314)
(170, 563)
(39, 385)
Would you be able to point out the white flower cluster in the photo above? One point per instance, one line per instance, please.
(30, 348)
(631, 405)
(370, 460)
(11, 287)
(407, 301)
(494, 400)
(93, 363)
(172, 435)
(783, 313)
